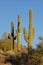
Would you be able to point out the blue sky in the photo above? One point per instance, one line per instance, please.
(9, 11)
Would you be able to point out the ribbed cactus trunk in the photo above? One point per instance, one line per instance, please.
(19, 34)
(30, 36)
(31, 29)
(12, 36)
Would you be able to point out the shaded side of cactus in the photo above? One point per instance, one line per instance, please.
(12, 36)
(30, 35)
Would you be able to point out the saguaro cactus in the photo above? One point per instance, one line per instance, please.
(29, 37)
(18, 31)
(12, 36)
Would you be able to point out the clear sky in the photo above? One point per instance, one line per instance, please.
(10, 9)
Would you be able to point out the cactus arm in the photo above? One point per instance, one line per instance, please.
(25, 35)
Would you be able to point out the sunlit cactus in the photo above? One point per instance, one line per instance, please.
(12, 36)
(18, 31)
(30, 35)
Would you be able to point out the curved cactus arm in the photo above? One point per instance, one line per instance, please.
(26, 38)
(24, 30)
(25, 35)
(17, 31)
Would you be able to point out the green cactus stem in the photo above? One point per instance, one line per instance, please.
(18, 31)
(30, 35)
(12, 36)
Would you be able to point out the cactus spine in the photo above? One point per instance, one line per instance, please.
(12, 36)
(30, 36)
(19, 34)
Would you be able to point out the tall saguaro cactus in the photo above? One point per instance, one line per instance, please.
(30, 36)
(18, 31)
(12, 36)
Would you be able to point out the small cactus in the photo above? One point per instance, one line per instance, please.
(30, 36)
(12, 36)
